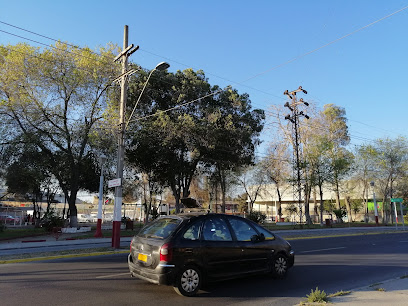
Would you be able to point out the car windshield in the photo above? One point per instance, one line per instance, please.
(160, 228)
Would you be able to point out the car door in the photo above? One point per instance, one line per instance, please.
(254, 256)
(221, 255)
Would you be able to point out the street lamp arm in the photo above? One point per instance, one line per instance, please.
(159, 66)
(140, 96)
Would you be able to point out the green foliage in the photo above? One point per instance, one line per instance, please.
(329, 206)
(356, 205)
(256, 216)
(317, 296)
(51, 220)
(291, 209)
(2, 228)
(340, 213)
(218, 132)
(53, 99)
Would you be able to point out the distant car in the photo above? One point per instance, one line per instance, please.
(8, 219)
(186, 250)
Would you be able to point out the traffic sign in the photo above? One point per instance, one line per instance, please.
(397, 200)
(115, 182)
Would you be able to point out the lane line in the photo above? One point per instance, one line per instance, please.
(113, 275)
(330, 249)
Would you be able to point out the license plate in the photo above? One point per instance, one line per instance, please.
(142, 257)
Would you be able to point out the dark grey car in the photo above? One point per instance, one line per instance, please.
(186, 250)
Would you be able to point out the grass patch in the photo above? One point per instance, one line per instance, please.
(317, 296)
(380, 289)
(15, 233)
(56, 253)
(339, 293)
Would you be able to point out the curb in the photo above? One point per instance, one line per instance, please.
(22, 260)
(340, 235)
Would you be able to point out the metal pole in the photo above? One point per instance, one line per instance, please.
(375, 204)
(375, 209)
(121, 147)
(402, 217)
(396, 216)
(98, 233)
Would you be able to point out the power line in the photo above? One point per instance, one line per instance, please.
(50, 38)
(326, 45)
(238, 83)
(44, 59)
(54, 47)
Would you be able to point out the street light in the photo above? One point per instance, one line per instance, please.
(98, 233)
(375, 204)
(159, 66)
(121, 149)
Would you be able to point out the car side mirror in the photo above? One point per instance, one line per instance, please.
(261, 237)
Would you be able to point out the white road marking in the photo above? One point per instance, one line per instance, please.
(312, 251)
(113, 275)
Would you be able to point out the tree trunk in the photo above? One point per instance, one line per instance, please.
(73, 218)
(321, 204)
(348, 207)
(307, 206)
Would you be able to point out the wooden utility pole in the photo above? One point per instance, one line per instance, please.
(123, 78)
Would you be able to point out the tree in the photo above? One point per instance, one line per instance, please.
(392, 162)
(334, 118)
(53, 99)
(363, 170)
(277, 166)
(206, 126)
(252, 179)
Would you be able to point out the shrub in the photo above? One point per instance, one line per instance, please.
(317, 296)
(256, 216)
(51, 220)
(340, 213)
(2, 227)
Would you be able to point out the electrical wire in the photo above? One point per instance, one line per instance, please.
(53, 39)
(56, 48)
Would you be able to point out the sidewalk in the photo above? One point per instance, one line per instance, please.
(391, 292)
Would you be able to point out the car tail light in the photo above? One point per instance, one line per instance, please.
(165, 252)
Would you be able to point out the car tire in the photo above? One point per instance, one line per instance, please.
(188, 281)
(280, 266)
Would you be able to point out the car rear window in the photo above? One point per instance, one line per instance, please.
(160, 228)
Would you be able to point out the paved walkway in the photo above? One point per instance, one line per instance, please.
(392, 292)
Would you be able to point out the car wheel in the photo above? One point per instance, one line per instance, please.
(188, 281)
(280, 266)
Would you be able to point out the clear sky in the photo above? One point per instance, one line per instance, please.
(245, 43)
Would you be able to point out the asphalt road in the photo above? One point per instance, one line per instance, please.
(332, 264)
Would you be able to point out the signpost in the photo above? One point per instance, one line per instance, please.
(115, 182)
(398, 200)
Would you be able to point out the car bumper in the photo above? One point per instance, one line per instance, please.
(163, 274)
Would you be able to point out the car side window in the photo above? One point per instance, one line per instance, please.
(216, 229)
(193, 232)
(268, 235)
(243, 230)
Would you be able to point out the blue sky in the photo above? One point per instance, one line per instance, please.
(233, 41)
